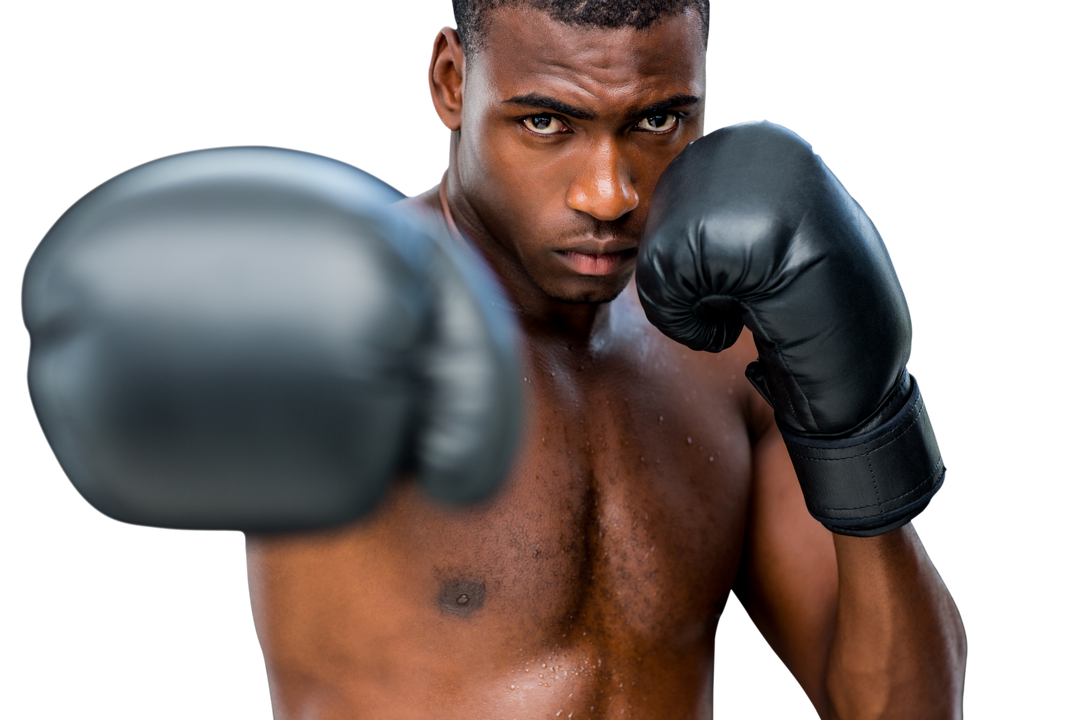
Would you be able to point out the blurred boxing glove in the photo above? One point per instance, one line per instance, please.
(254, 339)
(748, 226)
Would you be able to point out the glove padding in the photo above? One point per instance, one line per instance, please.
(254, 339)
(748, 226)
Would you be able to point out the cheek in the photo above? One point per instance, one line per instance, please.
(515, 192)
(489, 166)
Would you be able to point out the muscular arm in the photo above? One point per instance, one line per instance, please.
(866, 625)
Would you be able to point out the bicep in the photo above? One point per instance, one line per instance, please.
(788, 576)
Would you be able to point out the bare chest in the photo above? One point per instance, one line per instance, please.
(594, 578)
(625, 514)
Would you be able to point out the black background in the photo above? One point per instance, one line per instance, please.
(143, 624)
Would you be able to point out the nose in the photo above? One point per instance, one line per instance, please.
(603, 186)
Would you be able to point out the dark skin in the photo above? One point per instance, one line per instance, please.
(651, 480)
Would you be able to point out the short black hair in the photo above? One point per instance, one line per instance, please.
(471, 15)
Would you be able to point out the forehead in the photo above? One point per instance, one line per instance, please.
(527, 51)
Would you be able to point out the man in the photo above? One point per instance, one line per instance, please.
(648, 471)
(651, 480)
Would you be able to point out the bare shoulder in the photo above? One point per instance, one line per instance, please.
(427, 201)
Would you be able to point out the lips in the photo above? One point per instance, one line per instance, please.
(595, 263)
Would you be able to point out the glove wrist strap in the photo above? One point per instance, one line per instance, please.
(873, 482)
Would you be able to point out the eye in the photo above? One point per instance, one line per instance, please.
(658, 123)
(544, 124)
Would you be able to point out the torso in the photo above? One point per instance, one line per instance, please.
(589, 587)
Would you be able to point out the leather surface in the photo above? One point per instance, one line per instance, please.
(244, 338)
(748, 226)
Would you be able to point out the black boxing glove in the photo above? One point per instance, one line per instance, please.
(255, 339)
(748, 226)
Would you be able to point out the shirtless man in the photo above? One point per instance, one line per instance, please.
(240, 338)
(651, 480)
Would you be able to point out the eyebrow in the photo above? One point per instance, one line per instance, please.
(536, 100)
(673, 101)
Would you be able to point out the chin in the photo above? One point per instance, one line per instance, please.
(587, 290)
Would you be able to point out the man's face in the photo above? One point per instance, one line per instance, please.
(564, 133)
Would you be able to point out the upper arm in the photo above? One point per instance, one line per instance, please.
(788, 579)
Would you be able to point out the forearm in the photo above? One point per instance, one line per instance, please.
(898, 649)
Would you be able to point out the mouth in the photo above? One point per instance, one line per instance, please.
(597, 264)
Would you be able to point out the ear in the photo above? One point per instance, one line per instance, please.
(446, 77)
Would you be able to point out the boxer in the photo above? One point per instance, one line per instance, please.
(594, 582)
(652, 480)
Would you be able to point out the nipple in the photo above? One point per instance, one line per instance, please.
(461, 596)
